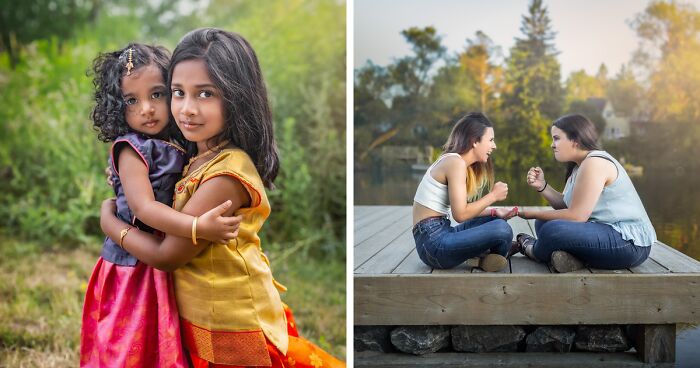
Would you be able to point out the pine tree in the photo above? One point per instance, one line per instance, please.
(534, 95)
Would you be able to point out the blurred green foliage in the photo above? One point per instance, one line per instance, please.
(51, 163)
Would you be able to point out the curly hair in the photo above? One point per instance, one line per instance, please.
(234, 69)
(108, 115)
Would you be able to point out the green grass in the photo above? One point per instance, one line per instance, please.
(42, 290)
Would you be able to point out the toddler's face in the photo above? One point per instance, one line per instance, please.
(145, 95)
(196, 102)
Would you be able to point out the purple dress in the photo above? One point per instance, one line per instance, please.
(130, 315)
(165, 162)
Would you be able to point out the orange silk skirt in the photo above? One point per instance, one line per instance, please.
(301, 353)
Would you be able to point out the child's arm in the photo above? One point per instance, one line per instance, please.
(139, 195)
(172, 252)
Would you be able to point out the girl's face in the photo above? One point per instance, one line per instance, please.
(486, 145)
(196, 104)
(145, 94)
(564, 148)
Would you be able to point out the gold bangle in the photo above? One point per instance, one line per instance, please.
(122, 234)
(194, 230)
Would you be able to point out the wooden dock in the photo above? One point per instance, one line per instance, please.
(392, 286)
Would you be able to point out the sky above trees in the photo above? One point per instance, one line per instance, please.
(588, 32)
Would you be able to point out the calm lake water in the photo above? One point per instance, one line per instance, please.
(671, 198)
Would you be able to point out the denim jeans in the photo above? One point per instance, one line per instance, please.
(440, 245)
(597, 245)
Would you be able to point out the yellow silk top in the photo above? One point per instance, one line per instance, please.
(226, 294)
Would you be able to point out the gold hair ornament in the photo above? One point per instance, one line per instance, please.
(130, 64)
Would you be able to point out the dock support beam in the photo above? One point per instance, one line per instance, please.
(656, 343)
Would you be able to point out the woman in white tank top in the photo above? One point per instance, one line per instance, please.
(453, 185)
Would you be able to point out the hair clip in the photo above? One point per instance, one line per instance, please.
(130, 64)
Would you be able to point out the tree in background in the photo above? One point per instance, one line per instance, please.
(668, 60)
(533, 95)
(580, 86)
(625, 93)
(411, 78)
(477, 61)
(22, 22)
(669, 54)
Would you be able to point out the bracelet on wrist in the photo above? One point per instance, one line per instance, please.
(122, 234)
(493, 212)
(194, 230)
(543, 188)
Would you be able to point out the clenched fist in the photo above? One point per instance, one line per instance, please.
(499, 191)
(535, 178)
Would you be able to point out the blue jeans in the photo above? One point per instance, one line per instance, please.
(440, 245)
(597, 245)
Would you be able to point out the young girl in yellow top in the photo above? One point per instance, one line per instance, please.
(229, 303)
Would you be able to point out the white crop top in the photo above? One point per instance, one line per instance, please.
(433, 194)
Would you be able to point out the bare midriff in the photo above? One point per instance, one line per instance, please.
(421, 212)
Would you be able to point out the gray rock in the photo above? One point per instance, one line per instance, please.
(550, 338)
(601, 339)
(484, 339)
(420, 340)
(373, 338)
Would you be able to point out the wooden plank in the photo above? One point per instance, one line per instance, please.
(520, 264)
(511, 299)
(673, 260)
(368, 359)
(390, 219)
(368, 248)
(462, 268)
(360, 211)
(519, 225)
(656, 343)
(387, 259)
(649, 266)
(616, 272)
(375, 213)
(479, 270)
(412, 264)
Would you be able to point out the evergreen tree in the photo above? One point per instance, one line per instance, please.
(534, 95)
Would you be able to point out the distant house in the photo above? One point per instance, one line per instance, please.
(616, 127)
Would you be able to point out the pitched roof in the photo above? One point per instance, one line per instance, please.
(597, 102)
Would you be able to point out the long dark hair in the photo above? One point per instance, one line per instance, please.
(233, 67)
(108, 114)
(467, 131)
(580, 130)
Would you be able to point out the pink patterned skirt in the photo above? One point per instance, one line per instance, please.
(130, 318)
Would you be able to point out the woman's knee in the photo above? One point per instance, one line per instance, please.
(554, 230)
(503, 231)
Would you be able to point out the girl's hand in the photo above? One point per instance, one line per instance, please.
(217, 228)
(499, 191)
(505, 212)
(108, 172)
(535, 178)
(109, 206)
(524, 215)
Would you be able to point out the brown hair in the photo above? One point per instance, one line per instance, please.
(580, 130)
(467, 131)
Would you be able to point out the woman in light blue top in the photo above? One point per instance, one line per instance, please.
(453, 185)
(599, 219)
